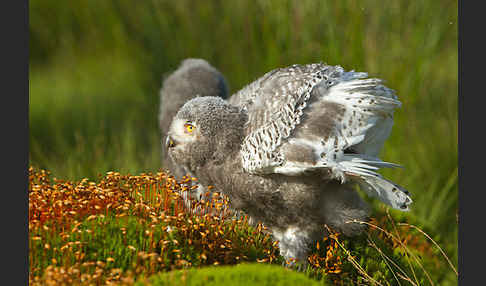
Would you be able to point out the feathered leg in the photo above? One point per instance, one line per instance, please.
(293, 244)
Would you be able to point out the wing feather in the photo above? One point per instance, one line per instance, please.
(338, 120)
(275, 104)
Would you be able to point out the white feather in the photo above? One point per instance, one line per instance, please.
(364, 126)
(388, 192)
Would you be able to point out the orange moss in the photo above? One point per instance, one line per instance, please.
(157, 200)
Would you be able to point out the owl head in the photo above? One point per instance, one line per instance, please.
(205, 129)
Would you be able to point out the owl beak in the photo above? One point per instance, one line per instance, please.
(169, 142)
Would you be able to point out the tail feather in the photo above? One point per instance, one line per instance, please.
(387, 191)
(358, 164)
(369, 161)
(361, 168)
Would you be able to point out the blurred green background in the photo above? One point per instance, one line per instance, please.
(96, 67)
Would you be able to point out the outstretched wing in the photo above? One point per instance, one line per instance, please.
(275, 104)
(319, 118)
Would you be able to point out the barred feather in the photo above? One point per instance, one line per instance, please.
(320, 111)
(275, 105)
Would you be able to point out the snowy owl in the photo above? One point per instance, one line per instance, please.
(194, 77)
(289, 149)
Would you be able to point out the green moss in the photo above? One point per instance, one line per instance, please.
(239, 275)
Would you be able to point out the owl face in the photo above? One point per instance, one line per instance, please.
(182, 131)
(204, 129)
(182, 139)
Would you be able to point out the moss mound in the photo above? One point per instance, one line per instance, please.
(239, 275)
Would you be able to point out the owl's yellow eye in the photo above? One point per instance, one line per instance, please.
(189, 127)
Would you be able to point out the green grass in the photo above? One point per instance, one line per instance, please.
(240, 275)
(96, 68)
